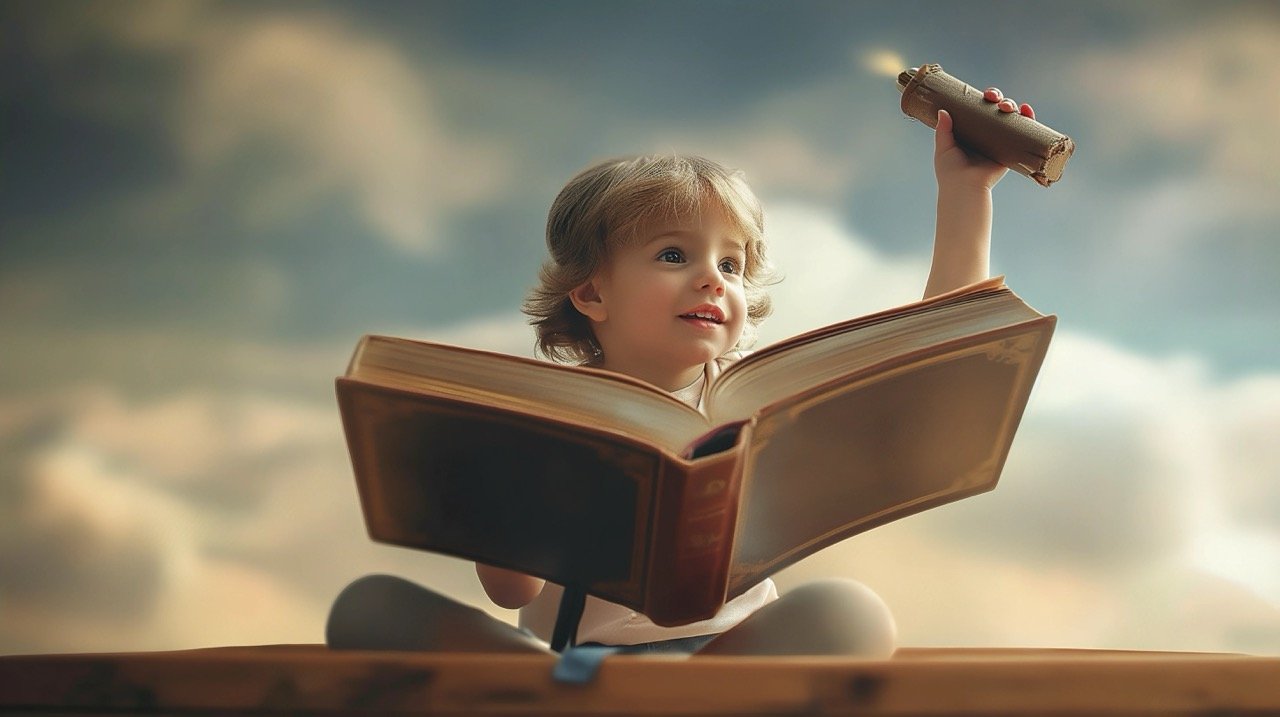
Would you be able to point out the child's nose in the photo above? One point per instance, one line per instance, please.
(714, 281)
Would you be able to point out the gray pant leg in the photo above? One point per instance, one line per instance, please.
(825, 617)
(384, 612)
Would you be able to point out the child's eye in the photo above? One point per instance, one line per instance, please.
(729, 266)
(671, 256)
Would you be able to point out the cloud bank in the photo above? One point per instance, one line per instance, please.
(201, 517)
(321, 110)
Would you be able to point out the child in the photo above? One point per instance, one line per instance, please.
(657, 271)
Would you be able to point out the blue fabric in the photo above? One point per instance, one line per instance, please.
(579, 665)
(686, 645)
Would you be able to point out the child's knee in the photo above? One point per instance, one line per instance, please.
(378, 593)
(851, 618)
(825, 617)
(384, 612)
(372, 612)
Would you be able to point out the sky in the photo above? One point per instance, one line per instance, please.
(204, 205)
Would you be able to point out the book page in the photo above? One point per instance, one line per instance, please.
(777, 373)
(589, 397)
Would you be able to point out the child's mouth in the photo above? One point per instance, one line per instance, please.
(705, 317)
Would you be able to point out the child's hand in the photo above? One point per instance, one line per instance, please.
(953, 166)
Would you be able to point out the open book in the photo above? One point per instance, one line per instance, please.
(610, 485)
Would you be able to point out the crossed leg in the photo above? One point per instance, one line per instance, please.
(824, 617)
(384, 612)
(827, 617)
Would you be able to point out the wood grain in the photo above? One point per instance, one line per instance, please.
(286, 679)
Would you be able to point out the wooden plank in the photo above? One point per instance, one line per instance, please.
(286, 679)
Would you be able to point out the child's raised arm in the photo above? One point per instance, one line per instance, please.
(962, 242)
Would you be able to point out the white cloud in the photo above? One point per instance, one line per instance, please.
(830, 273)
(1207, 88)
(1160, 224)
(333, 111)
(353, 114)
(182, 521)
(814, 139)
(1246, 418)
(776, 159)
(1173, 606)
(507, 333)
(1176, 162)
(945, 594)
(176, 437)
(1205, 448)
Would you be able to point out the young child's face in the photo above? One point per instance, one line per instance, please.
(673, 299)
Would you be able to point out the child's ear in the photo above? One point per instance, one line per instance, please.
(587, 300)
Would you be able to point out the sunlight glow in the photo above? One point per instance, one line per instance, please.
(886, 63)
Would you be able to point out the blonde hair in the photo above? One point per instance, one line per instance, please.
(605, 206)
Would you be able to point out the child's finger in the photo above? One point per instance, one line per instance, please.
(1026, 111)
(992, 94)
(1007, 105)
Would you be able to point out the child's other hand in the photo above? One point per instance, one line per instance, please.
(953, 166)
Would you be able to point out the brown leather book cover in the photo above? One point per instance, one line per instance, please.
(591, 479)
(505, 488)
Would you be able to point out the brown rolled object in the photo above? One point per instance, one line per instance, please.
(1010, 138)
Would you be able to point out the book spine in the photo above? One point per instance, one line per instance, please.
(697, 510)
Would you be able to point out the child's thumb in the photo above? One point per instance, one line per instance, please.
(942, 132)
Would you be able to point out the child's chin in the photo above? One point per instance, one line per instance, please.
(705, 353)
